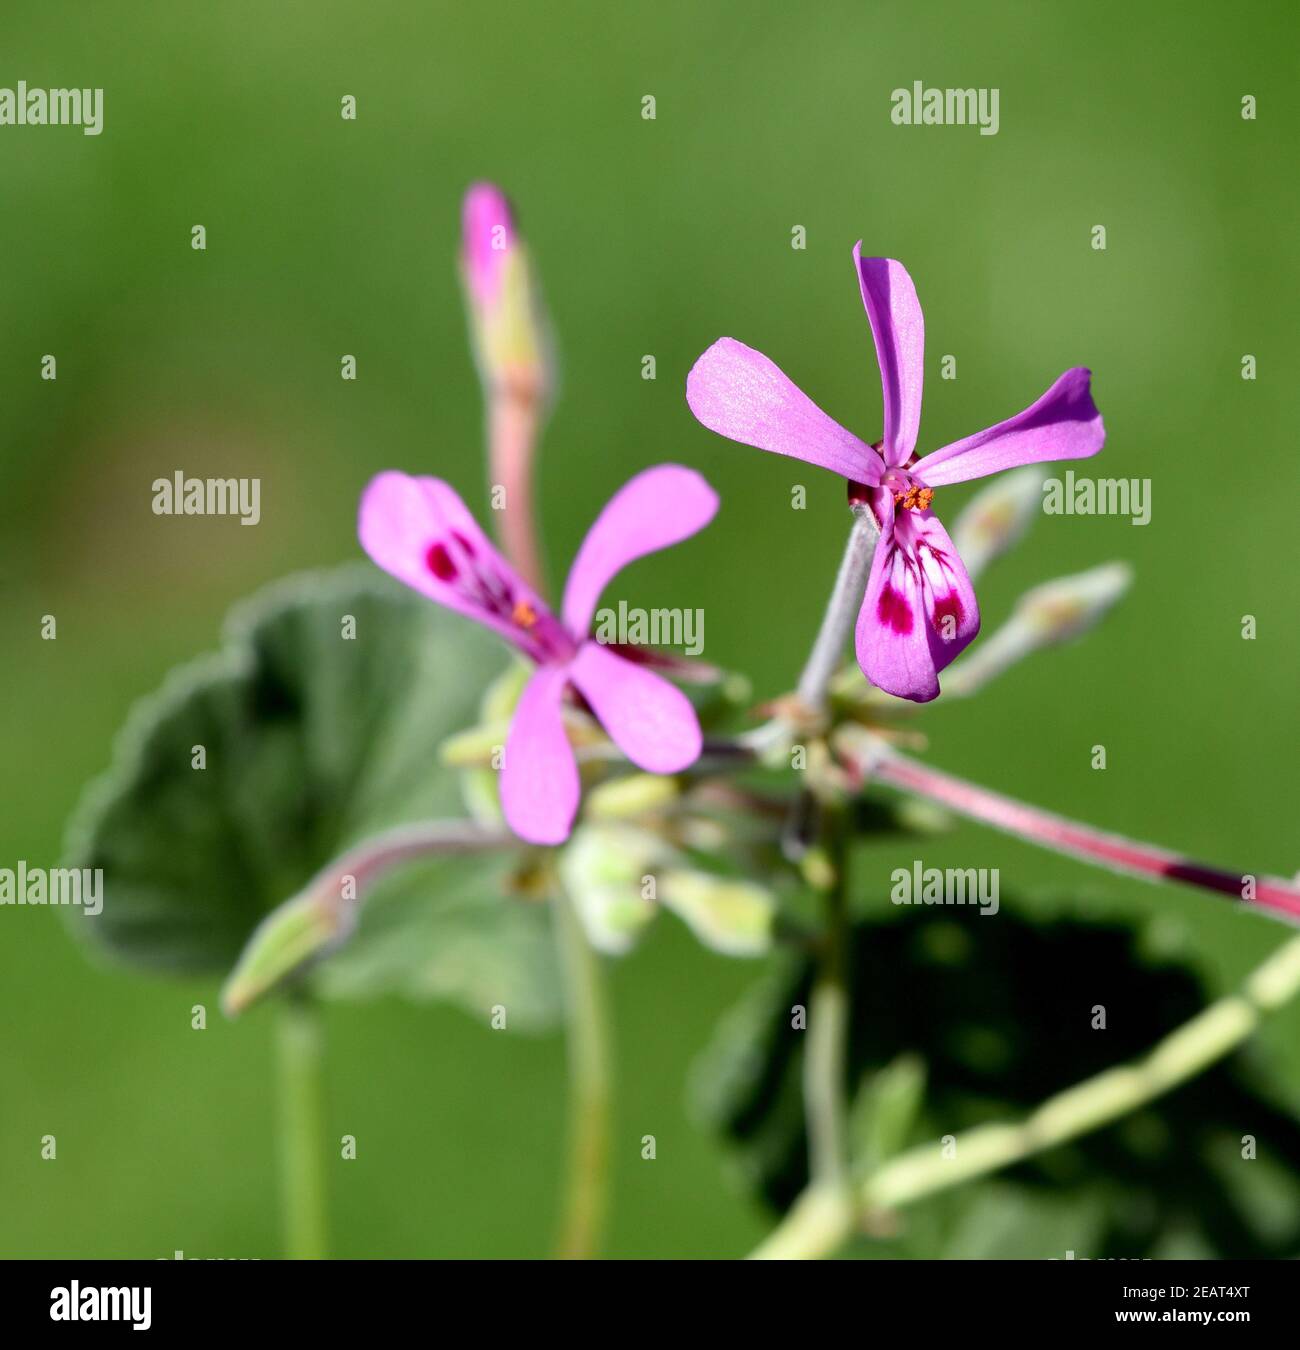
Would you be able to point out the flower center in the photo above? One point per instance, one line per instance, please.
(909, 494)
(454, 560)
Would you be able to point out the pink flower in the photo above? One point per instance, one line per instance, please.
(919, 610)
(421, 532)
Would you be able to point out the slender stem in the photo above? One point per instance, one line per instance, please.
(585, 1195)
(813, 1229)
(825, 1064)
(1270, 894)
(302, 1130)
(512, 432)
(841, 611)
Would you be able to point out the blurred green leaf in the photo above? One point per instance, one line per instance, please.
(884, 1112)
(311, 740)
(1000, 1014)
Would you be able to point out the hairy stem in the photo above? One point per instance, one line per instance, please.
(814, 1228)
(841, 612)
(512, 433)
(826, 1053)
(302, 1130)
(585, 1194)
(1269, 894)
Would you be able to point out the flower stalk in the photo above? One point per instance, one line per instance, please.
(300, 1058)
(514, 415)
(825, 1064)
(1271, 895)
(841, 612)
(585, 1198)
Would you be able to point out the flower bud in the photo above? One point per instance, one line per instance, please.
(728, 915)
(602, 869)
(1064, 608)
(630, 795)
(1053, 612)
(996, 517)
(298, 932)
(507, 323)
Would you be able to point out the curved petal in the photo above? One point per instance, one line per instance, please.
(1063, 424)
(740, 394)
(919, 611)
(656, 509)
(899, 330)
(419, 530)
(650, 720)
(539, 775)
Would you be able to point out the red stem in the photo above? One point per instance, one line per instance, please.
(512, 432)
(1055, 832)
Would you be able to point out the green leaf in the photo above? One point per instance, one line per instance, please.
(1000, 1013)
(310, 741)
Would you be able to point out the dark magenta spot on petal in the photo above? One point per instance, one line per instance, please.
(439, 562)
(463, 542)
(894, 611)
(948, 615)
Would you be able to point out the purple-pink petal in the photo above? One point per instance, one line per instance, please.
(419, 530)
(740, 394)
(487, 234)
(899, 331)
(656, 509)
(920, 609)
(651, 721)
(1063, 424)
(539, 775)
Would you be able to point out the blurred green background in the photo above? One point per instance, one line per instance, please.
(328, 237)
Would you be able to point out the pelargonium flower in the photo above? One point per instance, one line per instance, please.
(421, 532)
(919, 610)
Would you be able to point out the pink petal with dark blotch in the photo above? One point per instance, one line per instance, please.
(919, 610)
(419, 530)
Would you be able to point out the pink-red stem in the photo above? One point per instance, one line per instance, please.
(1278, 897)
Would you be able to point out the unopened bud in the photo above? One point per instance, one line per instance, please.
(1068, 606)
(603, 870)
(297, 933)
(730, 916)
(996, 517)
(634, 794)
(1053, 612)
(507, 323)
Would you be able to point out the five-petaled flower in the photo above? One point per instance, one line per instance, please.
(919, 610)
(421, 532)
